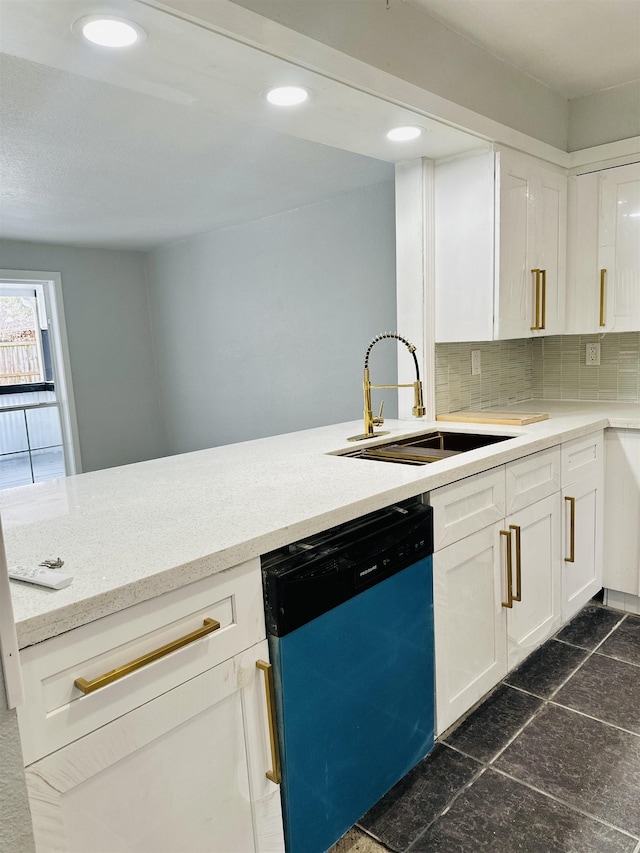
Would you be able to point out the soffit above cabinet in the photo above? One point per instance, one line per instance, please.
(174, 137)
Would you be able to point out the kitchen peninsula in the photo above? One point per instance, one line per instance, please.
(132, 533)
(157, 547)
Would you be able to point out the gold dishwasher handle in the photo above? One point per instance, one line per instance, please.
(572, 531)
(209, 625)
(509, 601)
(274, 774)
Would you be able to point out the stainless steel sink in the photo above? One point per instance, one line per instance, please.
(424, 448)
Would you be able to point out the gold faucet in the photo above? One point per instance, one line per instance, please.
(371, 420)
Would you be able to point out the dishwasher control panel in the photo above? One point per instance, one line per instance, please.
(306, 579)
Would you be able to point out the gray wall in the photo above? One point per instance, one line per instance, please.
(109, 334)
(16, 835)
(262, 329)
(605, 116)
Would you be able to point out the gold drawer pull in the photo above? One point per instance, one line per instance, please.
(572, 531)
(509, 601)
(274, 774)
(603, 278)
(543, 276)
(518, 593)
(209, 625)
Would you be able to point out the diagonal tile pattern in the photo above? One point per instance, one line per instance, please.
(549, 763)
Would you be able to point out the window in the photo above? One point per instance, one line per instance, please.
(25, 354)
(36, 413)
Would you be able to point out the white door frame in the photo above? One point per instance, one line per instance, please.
(52, 285)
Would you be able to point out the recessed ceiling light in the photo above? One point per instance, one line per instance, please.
(404, 134)
(287, 96)
(109, 31)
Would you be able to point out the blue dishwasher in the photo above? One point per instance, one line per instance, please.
(350, 621)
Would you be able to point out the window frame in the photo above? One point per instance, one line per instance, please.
(51, 283)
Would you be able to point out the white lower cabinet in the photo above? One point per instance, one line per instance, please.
(497, 590)
(518, 551)
(484, 625)
(582, 537)
(184, 773)
(621, 570)
(168, 757)
(535, 613)
(582, 521)
(469, 623)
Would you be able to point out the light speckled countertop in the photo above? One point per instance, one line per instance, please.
(131, 533)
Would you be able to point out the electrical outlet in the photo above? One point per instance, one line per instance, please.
(476, 367)
(593, 354)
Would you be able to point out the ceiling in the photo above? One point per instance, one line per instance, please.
(134, 148)
(574, 47)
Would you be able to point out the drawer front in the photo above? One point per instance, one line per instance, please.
(56, 712)
(582, 458)
(467, 506)
(532, 478)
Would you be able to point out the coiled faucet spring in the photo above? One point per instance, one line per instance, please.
(370, 421)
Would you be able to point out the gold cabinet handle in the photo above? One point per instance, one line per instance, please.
(509, 601)
(518, 593)
(543, 300)
(603, 278)
(209, 625)
(274, 774)
(536, 327)
(572, 531)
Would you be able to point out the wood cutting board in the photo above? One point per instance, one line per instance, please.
(510, 418)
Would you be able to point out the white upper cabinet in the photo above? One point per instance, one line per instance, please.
(500, 247)
(603, 282)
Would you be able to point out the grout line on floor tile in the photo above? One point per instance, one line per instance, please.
(595, 719)
(566, 804)
(533, 716)
(613, 657)
(446, 808)
(373, 837)
(522, 690)
(590, 653)
(597, 646)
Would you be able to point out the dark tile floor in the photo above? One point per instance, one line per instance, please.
(549, 763)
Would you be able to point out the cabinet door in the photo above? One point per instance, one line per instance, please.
(548, 248)
(514, 283)
(619, 247)
(470, 623)
(532, 248)
(537, 615)
(181, 774)
(583, 283)
(582, 521)
(621, 570)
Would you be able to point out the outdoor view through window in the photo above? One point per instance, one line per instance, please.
(30, 436)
